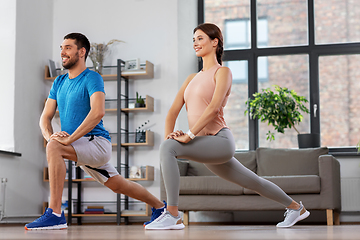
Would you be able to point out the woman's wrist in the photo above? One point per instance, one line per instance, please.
(190, 134)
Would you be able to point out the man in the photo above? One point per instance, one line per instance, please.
(80, 98)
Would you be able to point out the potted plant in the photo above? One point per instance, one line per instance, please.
(139, 101)
(281, 108)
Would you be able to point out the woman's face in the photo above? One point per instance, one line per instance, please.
(203, 45)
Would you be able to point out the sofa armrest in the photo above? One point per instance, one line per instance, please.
(329, 172)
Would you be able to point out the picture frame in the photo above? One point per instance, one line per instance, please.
(132, 64)
(52, 68)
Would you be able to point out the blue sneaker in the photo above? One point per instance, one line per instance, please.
(155, 213)
(48, 221)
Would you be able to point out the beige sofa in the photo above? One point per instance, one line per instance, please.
(307, 175)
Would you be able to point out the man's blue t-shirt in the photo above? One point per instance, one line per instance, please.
(73, 100)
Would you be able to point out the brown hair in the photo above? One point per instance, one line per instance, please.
(81, 41)
(213, 32)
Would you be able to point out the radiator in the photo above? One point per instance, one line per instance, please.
(350, 194)
(2, 197)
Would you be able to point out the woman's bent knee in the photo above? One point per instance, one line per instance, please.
(167, 148)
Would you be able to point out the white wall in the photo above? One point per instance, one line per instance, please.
(33, 44)
(350, 170)
(7, 68)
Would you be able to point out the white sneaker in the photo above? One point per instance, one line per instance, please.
(293, 216)
(165, 221)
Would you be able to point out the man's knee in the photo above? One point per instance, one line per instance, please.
(53, 146)
(117, 184)
(54, 149)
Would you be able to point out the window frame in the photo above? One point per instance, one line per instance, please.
(314, 51)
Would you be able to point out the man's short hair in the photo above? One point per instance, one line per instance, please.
(81, 41)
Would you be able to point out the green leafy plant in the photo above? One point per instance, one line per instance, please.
(358, 146)
(281, 108)
(140, 101)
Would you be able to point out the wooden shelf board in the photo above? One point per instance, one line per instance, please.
(129, 110)
(109, 77)
(146, 73)
(124, 213)
(142, 109)
(149, 107)
(134, 144)
(47, 74)
(149, 141)
(93, 180)
(94, 215)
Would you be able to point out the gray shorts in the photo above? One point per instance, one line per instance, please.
(93, 155)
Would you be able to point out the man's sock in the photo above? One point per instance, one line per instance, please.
(56, 214)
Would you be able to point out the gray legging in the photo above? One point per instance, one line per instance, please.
(217, 153)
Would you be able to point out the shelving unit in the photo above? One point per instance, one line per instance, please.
(124, 133)
(122, 136)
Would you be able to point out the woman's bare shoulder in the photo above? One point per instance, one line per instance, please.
(223, 70)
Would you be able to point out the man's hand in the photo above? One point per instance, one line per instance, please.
(59, 134)
(62, 137)
(183, 138)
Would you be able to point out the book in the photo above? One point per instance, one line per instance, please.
(91, 207)
(86, 212)
(94, 210)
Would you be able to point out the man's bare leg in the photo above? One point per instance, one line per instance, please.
(55, 154)
(119, 184)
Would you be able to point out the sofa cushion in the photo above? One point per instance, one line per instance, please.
(278, 162)
(297, 184)
(183, 166)
(208, 185)
(198, 169)
(248, 159)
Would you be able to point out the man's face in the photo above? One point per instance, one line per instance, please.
(69, 53)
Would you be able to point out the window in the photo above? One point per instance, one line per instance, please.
(339, 100)
(237, 36)
(337, 21)
(311, 46)
(287, 22)
(290, 71)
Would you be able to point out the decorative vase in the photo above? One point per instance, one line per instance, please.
(98, 67)
(309, 140)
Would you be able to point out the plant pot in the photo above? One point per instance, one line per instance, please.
(309, 140)
(139, 105)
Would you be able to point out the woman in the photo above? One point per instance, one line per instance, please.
(209, 140)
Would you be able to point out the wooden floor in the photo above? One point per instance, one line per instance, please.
(208, 232)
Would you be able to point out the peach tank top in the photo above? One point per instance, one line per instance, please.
(198, 95)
